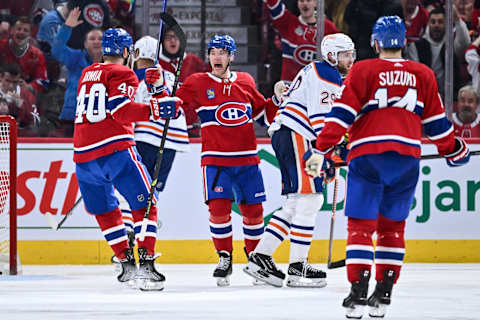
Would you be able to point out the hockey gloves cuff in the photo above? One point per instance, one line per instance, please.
(166, 107)
(460, 154)
(313, 161)
(154, 80)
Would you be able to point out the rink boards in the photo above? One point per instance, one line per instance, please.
(442, 227)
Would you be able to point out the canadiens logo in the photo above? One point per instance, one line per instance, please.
(305, 53)
(233, 114)
(210, 93)
(93, 14)
(218, 189)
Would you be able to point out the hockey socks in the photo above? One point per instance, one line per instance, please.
(221, 224)
(359, 247)
(390, 248)
(151, 235)
(114, 231)
(253, 224)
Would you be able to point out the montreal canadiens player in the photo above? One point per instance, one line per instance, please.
(294, 130)
(227, 103)
(384, 104)
(106, 157)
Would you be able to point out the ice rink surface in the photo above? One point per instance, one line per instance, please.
(425, 291)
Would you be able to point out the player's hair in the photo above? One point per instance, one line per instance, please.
(23, 19)
(12, 68)
(89, 31)
(436, 11)
(468, 88)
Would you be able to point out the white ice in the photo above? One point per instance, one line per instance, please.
(424, 291)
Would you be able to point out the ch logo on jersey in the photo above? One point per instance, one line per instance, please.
(93, 14)
(210, 93)
(233, 114)
(305, 53)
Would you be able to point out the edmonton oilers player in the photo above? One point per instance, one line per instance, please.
(227, 103)
(106, 157)
(384, 105)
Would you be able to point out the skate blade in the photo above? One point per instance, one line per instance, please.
(223, 282)
(354, 313)
(377, 312)
(257, 282)
(300, 282)
(256, 272)
(148, 285)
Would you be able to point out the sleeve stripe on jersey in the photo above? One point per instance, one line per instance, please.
(433, 118)
(289, 109)
(442, 134)
(277, 10)
(338, 121)
(342, 114)
(115, 104)
(302, 123)
(104, 142)
(346, 107)
(385, 138)
(246, 153)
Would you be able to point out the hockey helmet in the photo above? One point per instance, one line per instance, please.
(389, 31)
(223, 41)
(114, 40)
(335, 43)
(147, 48)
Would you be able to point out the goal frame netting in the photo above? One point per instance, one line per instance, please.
(10, 143)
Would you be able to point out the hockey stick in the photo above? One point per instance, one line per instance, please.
(340, 263)
(424, 157)
(173, 25)
(56, 225)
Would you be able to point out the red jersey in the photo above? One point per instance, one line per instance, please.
(299, 39)
(32, 63)
(105, 111)
(383, 105)
(191, 64)
(226, 109)
(466, 130)
(416, 24)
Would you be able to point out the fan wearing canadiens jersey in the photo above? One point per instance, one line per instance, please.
(298, 121)
(227, 103)
(106, 157)
(384, 104)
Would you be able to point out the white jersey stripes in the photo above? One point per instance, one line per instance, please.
(308, 100)
(151, 131)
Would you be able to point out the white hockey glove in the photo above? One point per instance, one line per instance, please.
(313, 161)
(279, 89)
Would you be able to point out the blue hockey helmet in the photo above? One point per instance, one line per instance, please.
(389, 31)
(223, 41)
(114, 40)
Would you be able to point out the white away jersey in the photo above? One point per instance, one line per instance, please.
(308, 100)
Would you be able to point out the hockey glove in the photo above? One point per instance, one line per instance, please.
(166, 107)
(329, 171)
(279, 89)
(460, 154)
(154, 80)
(313, 162)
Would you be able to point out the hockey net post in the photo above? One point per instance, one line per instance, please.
(8, 196)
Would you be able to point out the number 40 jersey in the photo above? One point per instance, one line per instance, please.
(105, 111)
(384, 104)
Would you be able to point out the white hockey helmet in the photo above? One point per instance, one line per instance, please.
(335, 43)
(147, 48)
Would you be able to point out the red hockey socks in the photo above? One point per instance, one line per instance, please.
(359, 247)
(114, 231)
(151, 234)
(221, 223)
(390, 248)
(253, 225)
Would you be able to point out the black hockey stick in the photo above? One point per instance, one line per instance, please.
(56, 225)
(173, 25)
(340, 263)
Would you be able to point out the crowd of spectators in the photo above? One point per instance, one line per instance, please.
(45, 44)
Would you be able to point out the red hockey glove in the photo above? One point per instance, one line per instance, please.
(166, 107)
(460, 154)
(154, 80)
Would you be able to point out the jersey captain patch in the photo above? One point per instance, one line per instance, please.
(233, 114)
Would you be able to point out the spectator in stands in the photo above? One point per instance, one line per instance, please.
(466, 120)
(18, 49)
(416, 19)
(465, 10)
(361, 15)
(20, 101)
(472, 56)
(122, 13)
(4, 27)
(75, 60)
(430, 50)
(298, 34)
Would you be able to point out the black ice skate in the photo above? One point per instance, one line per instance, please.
(128, 268)
(131, 244)
(224, 268)
(357, 299)
(255, 281)
(262, 267)
(302, 274)
(380, 298)
(147, 277)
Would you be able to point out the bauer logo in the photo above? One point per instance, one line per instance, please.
(93, 14)
(305, 53)
(233, 114)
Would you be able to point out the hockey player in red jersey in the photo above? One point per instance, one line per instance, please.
(106, 157)
(227, 103)
(384, 104)
(298, 121)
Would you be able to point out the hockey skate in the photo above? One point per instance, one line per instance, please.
(255, 281)
(262, 267)
(128, 268)
(380, 298)
(131, 244)
(357, 299)
(147, 277)
(224, 268)
(302, 275)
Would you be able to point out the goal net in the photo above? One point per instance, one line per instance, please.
(8, 193)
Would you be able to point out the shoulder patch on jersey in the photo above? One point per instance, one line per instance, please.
(210, 93)
(233, 114)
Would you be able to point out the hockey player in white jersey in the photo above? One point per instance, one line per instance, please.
(298, 121)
